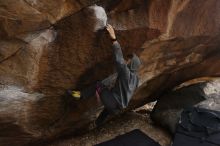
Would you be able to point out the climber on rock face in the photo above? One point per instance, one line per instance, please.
(119, 96)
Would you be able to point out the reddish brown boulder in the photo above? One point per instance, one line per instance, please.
(51, 46)
(24, 16)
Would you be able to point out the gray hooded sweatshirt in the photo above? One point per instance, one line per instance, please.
(127, 80)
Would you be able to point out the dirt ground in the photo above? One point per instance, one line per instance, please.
(124, 123)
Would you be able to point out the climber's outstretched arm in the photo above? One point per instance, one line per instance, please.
(117, 52)
(118, 55)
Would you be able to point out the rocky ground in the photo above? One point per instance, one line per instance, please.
(138, 119)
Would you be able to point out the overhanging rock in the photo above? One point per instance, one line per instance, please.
(52, 46)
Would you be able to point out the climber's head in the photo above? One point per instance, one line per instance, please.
(133, 62)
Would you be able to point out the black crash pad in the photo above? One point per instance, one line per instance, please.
(198, 127)
(133, 138)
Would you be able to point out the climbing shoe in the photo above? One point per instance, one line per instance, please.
(75, 94)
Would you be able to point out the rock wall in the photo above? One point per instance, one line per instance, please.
(49, 46)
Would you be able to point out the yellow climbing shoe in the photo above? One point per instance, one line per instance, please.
(76, 94)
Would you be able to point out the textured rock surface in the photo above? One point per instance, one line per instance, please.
(49, 46)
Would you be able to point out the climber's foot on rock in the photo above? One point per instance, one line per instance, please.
(75, 94)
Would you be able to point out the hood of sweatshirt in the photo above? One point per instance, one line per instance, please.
(135, 63)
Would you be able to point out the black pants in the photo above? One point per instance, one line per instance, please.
(111, 106)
